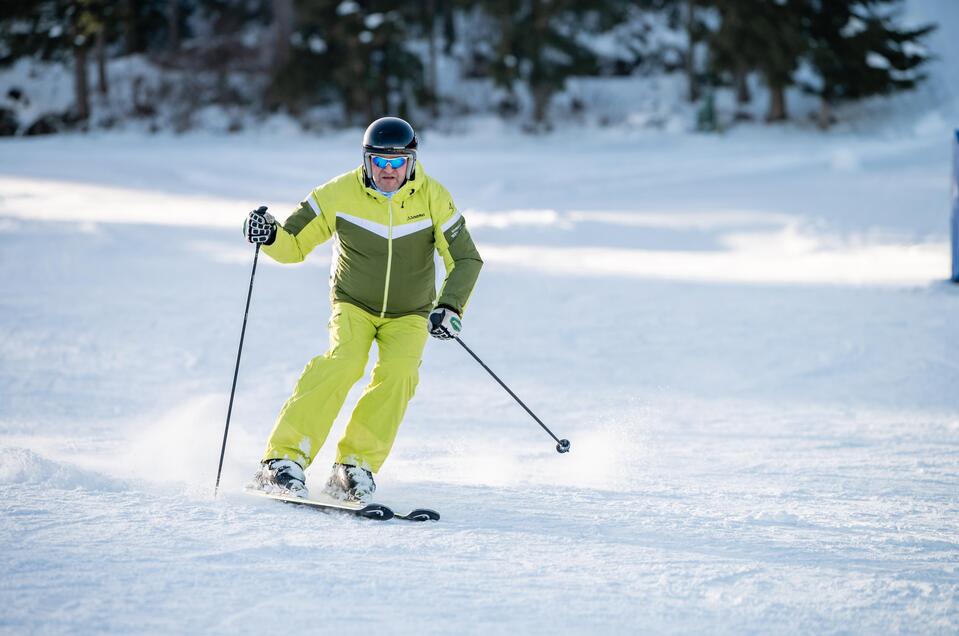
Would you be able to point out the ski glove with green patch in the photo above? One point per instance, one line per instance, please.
(444, 323)
(260, 227)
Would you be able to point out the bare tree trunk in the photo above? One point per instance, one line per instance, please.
(131, 37)
(542, 91)
(434, 88)
(173, 24)
(101, 55)
(542, 95)
(691, 51)
(503, 48)
(777, 104)
(283, 21)
(824, 118)
(449, 28)
(743, 96)
(80, 86)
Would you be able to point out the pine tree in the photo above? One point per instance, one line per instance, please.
(539, 44)
(354, 52)
(57, 30)
(695, 33)
(155, 26)
(857, 51)
(735, 50)
(32, 28)
(759, 35)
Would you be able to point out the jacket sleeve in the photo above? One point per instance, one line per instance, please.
(453, 242)
(306, 228)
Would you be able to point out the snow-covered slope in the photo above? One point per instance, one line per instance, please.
(748, 340)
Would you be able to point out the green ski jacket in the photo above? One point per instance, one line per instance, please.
(384, 246)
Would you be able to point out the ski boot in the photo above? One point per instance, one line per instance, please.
(350, 483)
(282, 477)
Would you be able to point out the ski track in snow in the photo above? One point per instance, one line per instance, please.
(749, 343)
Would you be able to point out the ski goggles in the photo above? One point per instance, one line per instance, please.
(394, 162)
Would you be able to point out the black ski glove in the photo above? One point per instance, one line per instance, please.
(260, 227)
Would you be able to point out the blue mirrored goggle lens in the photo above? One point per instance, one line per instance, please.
(395, 162)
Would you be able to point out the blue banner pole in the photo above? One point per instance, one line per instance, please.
(955, 208)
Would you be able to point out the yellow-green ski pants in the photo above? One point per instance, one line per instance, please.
(305, 420)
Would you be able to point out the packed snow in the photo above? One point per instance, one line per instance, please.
(749, 341)
(748, 338)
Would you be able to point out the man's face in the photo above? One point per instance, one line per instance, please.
(385, 176)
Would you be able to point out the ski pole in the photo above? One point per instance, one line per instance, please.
(236, 371)
(562, 445)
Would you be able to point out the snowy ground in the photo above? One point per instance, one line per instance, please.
(748, 340)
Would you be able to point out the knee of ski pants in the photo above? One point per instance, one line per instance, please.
(398, 371)
(348, 368)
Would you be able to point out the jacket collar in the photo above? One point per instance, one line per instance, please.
(406, 190)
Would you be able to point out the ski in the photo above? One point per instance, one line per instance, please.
(367, 511)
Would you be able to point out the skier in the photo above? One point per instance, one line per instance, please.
(386, 218)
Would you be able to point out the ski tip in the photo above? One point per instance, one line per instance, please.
(421, 514)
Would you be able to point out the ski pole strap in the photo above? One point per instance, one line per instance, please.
(502, 384)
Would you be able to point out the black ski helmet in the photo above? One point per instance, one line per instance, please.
(389, 136)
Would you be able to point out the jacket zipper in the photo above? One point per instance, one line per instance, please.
(389, 261)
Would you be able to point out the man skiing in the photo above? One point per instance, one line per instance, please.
(386, 218)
